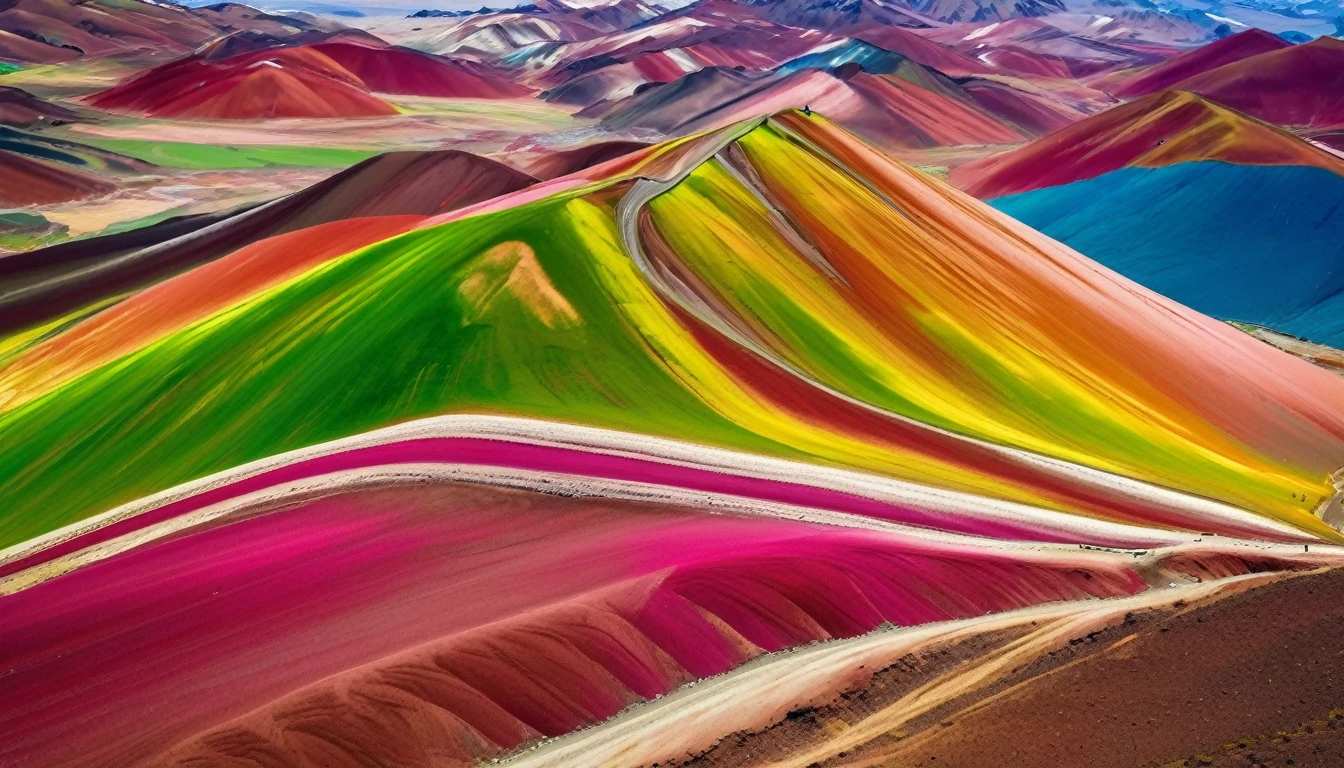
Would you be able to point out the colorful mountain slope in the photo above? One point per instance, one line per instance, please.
(1158, 130)
(909, 110)
(399, 188)
(633, 599)
(926, 52)
(1302, 85)
(285, 82)
(1254, 244)
(866, 56)
(755, 389)
(1197, 61)
(548, 340)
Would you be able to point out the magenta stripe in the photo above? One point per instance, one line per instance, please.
(503, 453)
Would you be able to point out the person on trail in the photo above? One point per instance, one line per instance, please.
(807, 110)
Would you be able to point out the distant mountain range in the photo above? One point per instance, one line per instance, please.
(1297, 20)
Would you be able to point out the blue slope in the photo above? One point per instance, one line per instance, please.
(1257, 244)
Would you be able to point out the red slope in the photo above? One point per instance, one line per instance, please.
(1242, 45)
(1018, 60)
(286, 82)
(1033, 114)
(577, 159)
(25, 181)
(1302, 85)
(923, 51)
(933, 118)
(1157, 130)
(403, 71)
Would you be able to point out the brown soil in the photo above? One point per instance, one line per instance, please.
(1255, 678)
(813, 725)
(1315, 744)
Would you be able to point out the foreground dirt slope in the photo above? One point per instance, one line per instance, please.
(1251, 679)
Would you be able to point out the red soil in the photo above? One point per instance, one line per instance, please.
(1162, 129)
(1033, 114)
(911, 116)
(286, 82)
(404, 71)
(407, 183)
(26, 181)
(573, 160)
(1240, 46)
(658, 67)
(1302, 85)
(1024, 62)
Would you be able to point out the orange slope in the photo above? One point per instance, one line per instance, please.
(195, 295)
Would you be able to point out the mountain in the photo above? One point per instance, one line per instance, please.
(137, 31)
(1236, 47)
(1049, 47)
(1302, 85)
(916, 48)
(99, 27)
(32, 181)
(578, 159)
(404, 71)
(1158, 130)
(854, 15)
(588, 441)
(36, 169)
(1251, 244)
(836, 15)
(909, 110)
(235, 17)
(389, 193)
(281, 82)
(1029, 111)
(324, 79)
(21, 109)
